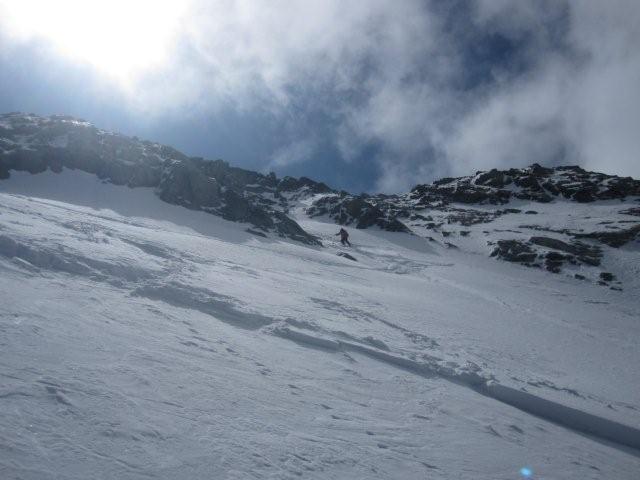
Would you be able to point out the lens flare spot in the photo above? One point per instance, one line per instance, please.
(526, 472)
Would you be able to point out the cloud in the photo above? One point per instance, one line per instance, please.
(418, 89)
(580, 104)
(292, 153)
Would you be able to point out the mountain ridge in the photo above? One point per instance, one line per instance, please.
(439, 212)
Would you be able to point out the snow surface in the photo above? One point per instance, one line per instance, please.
(144, 340)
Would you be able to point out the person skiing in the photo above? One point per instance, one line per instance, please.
(344, 237)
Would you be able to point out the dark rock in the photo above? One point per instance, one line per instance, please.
(514, 251)
(594, 261)
(288, 228)
(467, 218)
(359, 210)
(417, 216)
(288, 184)
(555, 257)
(531, 212)
(528, 181)
(238, 209)
(631, 211)
(620, 188)
(493, 178)
(613, 239)
(575, 252)
(540, 171)
(467, 194)
(535, 196)
(584, 196)
(607, 276)
(553, 267)
(182, 183)
(551, 188)
(579, 277)
(553, 243)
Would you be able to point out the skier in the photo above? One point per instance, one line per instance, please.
(344, 237)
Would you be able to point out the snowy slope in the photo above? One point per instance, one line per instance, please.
(140, 339)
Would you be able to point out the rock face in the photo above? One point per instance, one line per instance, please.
(553, 255)
(291, 184)
(514, 251)
(183, 183)
(361, 211)
(614, 239)
(534, 183)
(35, 144)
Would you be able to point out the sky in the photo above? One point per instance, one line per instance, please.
(363, 95)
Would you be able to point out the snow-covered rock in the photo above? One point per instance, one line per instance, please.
(32, 143)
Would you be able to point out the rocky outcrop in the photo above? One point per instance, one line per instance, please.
(35, 144)
(514, 251)
(635, 211)
(613, 239)
(182, 183)
(291, 184)
(361, 211)
(535, 183)
(547, 252)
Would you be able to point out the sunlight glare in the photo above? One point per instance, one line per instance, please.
(119, 37)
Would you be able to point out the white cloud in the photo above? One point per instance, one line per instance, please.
(296, 152)
(389, 73)
(585, 106)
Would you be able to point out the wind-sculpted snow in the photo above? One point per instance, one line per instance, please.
(146, 340)
(599, 427)
(218, 306)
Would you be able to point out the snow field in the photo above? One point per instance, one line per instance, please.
(140, 340)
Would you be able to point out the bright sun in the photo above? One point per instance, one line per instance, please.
(120, 37)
